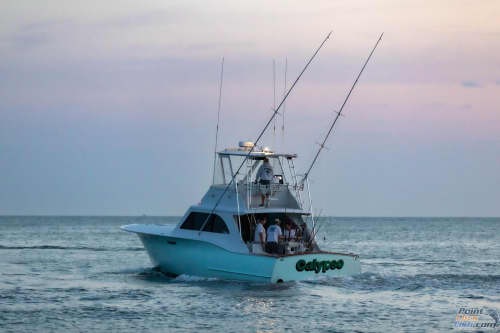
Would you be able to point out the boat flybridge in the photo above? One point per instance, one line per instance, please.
(215, 238)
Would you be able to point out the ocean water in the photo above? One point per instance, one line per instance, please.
(83, 274)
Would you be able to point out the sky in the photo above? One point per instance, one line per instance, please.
(110, 107)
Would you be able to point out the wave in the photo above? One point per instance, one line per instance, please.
(154, 274)
(194, 278)
(59, 247)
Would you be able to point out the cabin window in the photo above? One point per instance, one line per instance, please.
(214, 224)
(194, 221)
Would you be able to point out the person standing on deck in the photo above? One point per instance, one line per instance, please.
(289, 233)
(274, 234)
(260, 233)
(264, 177)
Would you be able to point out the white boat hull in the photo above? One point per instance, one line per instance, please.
(178, 256)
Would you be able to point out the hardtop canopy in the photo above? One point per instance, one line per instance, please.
(256, 154)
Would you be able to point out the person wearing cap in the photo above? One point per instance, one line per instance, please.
(274, 234)
(264, 176)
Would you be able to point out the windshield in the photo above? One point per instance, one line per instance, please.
(227, 165)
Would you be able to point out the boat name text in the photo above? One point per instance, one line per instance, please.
(318, 266)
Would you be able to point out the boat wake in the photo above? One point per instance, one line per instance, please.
(193, 278)
(410, 283)
(58, 247)
(155, 275)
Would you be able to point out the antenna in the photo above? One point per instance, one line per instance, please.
(274, 86)
(284, 108)
(274, 103)
(322, 145)
(265, 128)
(218, 116)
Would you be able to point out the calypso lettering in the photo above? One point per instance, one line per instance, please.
(318, 266)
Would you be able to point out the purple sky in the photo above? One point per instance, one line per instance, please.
(110, 107)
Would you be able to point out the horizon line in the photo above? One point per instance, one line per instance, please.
(337, 216)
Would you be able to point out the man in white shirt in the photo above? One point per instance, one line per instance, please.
(260, 232)
(290, 233)
(265, 175)
(274, 234)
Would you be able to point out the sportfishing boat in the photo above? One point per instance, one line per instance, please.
(217, 237)
(220, 242)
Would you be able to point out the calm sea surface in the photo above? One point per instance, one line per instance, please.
(82, 274)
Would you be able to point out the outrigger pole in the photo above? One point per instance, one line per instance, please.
(339, 113)
(265, 128)
(218, 115)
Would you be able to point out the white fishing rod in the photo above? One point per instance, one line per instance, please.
(264, 130)
(317, 227)
(339, 113)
